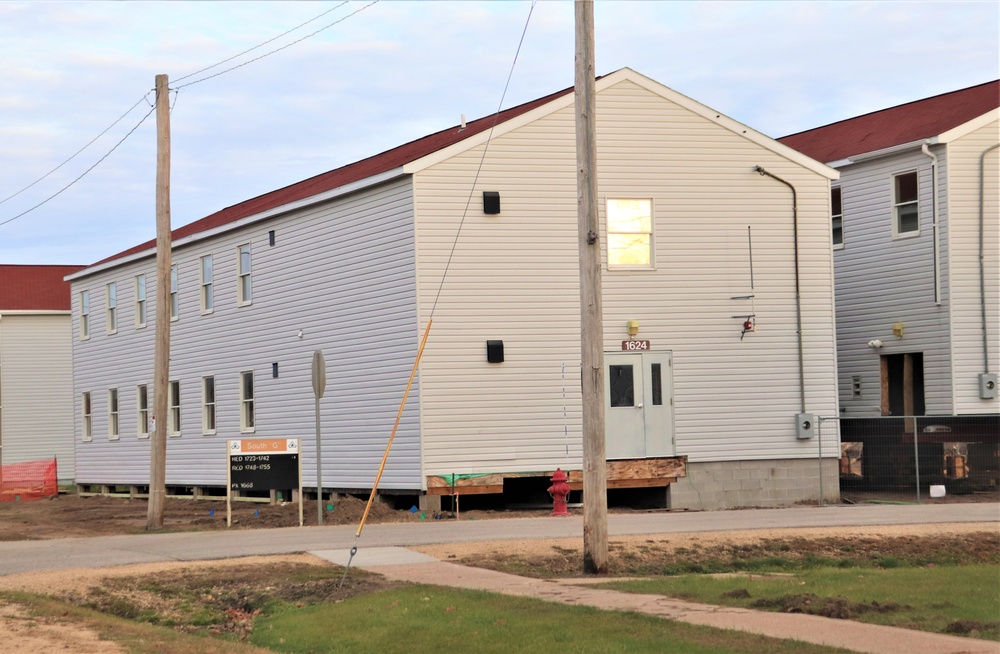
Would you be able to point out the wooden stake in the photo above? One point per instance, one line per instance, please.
(161, 365)
(595, 499)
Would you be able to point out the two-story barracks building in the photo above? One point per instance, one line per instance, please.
(352, 262)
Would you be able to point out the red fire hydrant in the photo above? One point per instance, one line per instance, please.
(559, 490)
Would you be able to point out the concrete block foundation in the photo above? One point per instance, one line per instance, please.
(765, 483)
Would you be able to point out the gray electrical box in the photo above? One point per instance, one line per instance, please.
(988, 386)
(806, 425)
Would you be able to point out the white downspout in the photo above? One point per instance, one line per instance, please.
(934, 210)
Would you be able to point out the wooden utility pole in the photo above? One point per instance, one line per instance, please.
(595, 498)
(161, 366)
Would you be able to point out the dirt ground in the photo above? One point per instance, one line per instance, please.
(70, 515)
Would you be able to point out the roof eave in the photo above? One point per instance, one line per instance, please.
(248, 220)
(965, 128)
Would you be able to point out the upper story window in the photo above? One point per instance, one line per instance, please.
(906, 214)
(630, 233)
(112, 294)
(140, 301)
(142, 411)
(247, 418)
(207, 297)
(88, 416)
(174, 408)
(175, 307)
(113, 424)
(837, 213)
(208, 405)
(244, 291)
(84, 315)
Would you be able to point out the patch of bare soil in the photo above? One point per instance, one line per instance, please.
(224, 599)
(715, 552)
(70, 515)
(21, 633)
(828, 607)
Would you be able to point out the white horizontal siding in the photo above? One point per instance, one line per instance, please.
(341, 273)
(515, 276)
(881, 281)
(963, 219)
(36, 390)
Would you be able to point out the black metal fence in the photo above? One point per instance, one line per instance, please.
(920, 458)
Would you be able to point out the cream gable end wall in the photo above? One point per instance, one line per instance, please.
(515, 277)
(37, 393)
(963, 231)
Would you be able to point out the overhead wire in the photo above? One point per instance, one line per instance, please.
(261, 45)
(430, 319)
(176, 91)
(95, 164)
(268, 54)
(73, 156)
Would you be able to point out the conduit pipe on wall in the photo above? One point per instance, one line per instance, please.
(934, 213)
(798, 294)
(982, 254)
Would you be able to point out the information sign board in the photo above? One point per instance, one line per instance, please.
(263, 464)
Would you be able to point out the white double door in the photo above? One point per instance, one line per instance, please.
(638, 405)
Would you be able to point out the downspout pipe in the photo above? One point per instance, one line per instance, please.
(934, 212)
(982, 254)
(798, 293)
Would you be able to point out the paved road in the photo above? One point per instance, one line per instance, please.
(26, 556)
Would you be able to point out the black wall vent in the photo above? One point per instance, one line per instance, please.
(491, 202)
(494, 351)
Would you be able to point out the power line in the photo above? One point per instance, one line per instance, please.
(91, 142)
(261, 45)
(176, 91)
(268, 54)
(486, 147)
(84, 172)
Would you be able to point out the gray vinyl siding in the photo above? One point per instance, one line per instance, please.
(880, 281)
(36, 390)
(515, 276)
(342, 274)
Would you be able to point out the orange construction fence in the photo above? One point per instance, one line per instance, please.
(30, 480)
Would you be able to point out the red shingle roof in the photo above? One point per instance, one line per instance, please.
(35, 288)
(897, 125)
(380, 163)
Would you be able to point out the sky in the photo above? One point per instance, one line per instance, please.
(386, 73)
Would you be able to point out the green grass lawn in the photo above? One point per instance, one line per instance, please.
(432, 619)
(963, 600)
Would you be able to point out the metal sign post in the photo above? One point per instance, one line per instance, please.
(319, 385)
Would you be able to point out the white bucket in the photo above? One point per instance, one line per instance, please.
(937, 491)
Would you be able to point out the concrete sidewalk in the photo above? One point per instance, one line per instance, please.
(406, 565)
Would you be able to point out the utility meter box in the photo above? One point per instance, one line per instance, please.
(988, 386)
(806, 425)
